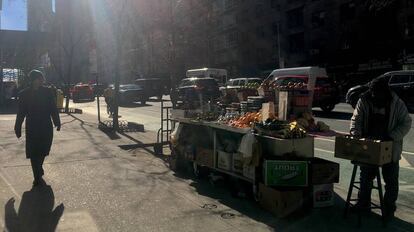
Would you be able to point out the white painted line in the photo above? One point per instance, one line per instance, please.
(342, 120)
(324, 139)
(331, 152)
(323, 150)
(332, 140)
(408, 153)
(341, 132)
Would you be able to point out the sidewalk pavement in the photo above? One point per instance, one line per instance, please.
(94, 185)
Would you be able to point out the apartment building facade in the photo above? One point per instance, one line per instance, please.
(348, 37)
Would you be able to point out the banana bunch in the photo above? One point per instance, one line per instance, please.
(294, 131)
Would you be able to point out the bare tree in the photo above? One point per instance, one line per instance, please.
(70, 37)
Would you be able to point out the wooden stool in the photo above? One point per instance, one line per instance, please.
(356, 184)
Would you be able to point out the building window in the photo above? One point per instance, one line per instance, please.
(275, 28)
(295, 17)
(274, 4)
(347, 11)
(409, 31)
(229, 4)
(259, 11)
(259, 55)
(260, 32)
(231, 39)
(297, 42)
(318, 19)
(275, 45)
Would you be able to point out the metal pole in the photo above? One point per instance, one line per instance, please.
(1, 57)
(278, 46)
(97, 98)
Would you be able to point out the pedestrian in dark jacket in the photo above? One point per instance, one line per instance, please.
(37, 105)
(381, 114)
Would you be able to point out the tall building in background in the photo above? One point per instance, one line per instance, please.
(39, 15)
(350, 38)
(164, 38)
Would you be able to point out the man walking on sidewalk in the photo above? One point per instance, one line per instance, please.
(38, 105)
(381, 114)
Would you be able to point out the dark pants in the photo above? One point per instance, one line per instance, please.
(37, 163)
(390, 173)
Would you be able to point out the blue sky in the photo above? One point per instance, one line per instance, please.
(14, 15)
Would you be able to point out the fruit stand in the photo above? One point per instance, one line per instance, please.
(261, 139)
(272, 155)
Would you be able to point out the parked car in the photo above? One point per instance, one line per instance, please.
(326, 94)
(82, 92)
(401, 82)
(130, 93)
(98, 89)
(154, 87)
(10, 90)
(191, 88)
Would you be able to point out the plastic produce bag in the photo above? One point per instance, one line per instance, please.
(175, 135)
(250, 149)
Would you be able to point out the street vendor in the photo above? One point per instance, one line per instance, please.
(381, 114)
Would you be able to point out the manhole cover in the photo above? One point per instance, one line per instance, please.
(209, 206)
(227, 215)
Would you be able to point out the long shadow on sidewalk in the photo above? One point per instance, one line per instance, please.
(36, 213)
(317, 219)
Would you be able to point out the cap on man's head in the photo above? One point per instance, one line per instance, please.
(35, 74)
(379, 84)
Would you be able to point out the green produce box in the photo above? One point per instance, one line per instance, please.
(285, 173)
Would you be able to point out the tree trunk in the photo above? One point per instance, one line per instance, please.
(68, 81)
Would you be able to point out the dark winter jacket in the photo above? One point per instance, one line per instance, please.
(38, 107)
(399, 122)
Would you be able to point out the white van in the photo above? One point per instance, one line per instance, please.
(326, 94)
(219, 74)
(310, 72)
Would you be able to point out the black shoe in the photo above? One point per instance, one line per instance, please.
(389, 213)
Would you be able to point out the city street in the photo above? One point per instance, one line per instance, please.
(240, 169)
(96, 186)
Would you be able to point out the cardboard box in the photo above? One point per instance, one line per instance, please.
(280, 203)
(237, 166)
(268, 110)
(224, 160)
(204, 157)
(285, 173)
(364, 151)
(284, 100)
(249, 171)
(323, 171)
(303, 147)
(323, 195)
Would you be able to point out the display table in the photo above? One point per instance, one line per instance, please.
(273, 147)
